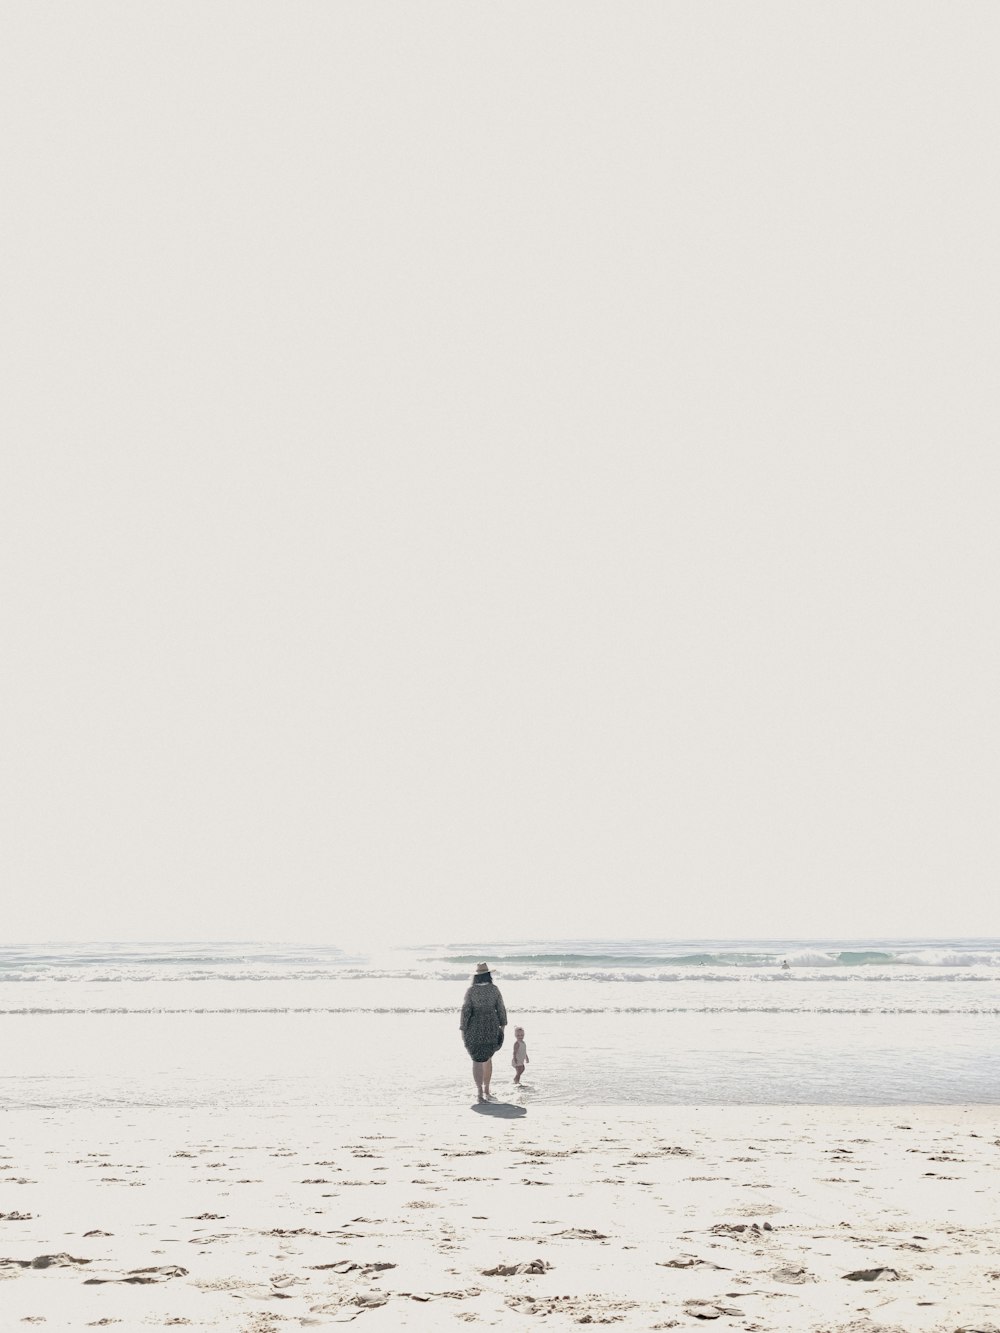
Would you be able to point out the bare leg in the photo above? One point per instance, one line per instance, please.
(487, 1075)
(477, 1074)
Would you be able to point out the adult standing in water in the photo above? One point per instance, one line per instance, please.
(483, 1021)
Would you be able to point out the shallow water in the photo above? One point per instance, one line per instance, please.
(611, 1022)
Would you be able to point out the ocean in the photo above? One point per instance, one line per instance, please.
(607, 1022)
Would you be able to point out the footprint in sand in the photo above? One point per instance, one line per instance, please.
(509, 1270)
(793, 1274)
(873, 1275)
(140, 1276)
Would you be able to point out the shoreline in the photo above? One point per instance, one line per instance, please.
(643, 1217)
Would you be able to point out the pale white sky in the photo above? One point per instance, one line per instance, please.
(499, 470)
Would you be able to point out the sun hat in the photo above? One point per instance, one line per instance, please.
(482, 967)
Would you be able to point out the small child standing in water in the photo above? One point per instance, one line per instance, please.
(520, 1054)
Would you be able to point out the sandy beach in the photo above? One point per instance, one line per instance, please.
(755, 1218)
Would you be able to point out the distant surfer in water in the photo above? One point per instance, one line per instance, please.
(483, 1021)
(784, 965)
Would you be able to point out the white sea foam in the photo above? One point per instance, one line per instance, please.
(523, 1010)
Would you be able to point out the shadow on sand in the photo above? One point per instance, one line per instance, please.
(503, 1110)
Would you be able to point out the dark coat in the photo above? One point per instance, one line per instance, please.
(483, 1021)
